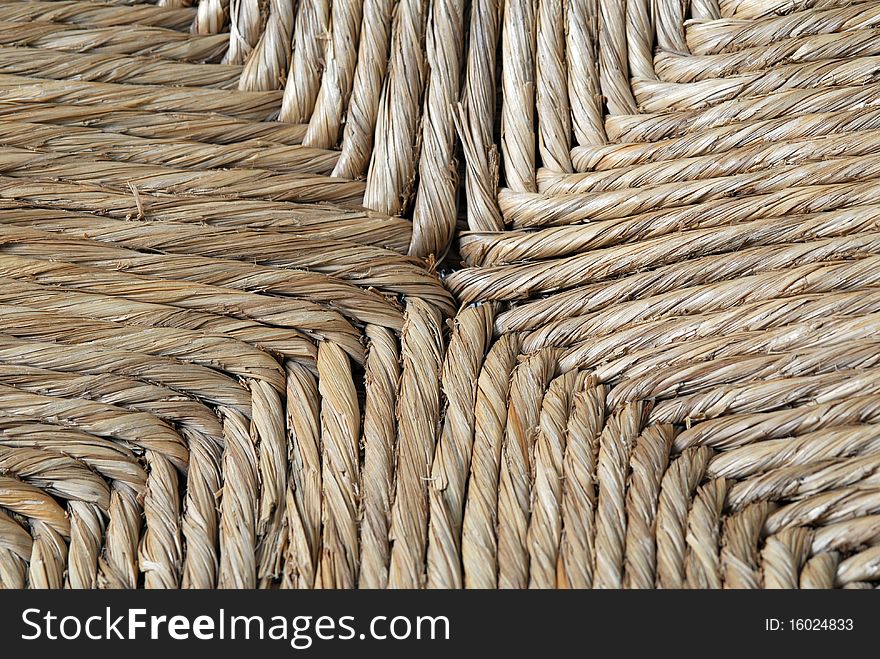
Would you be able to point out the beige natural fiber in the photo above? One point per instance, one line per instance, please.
(260, 328)
(677, 252)
(203, 324)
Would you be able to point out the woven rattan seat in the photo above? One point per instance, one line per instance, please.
(242, 343)
(676, 351)
(212, 282)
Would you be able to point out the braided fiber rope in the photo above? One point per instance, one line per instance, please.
(439, 294)
(673, 240)
(209, 325)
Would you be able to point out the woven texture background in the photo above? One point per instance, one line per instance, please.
(435, 293)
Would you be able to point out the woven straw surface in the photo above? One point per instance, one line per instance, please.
(650, 358)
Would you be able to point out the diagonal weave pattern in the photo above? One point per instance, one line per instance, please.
(210, 285)
(675, 357)
(226, 359)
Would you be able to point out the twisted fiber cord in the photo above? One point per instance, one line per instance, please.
(292, 343)
(392, 170)
(320, 288)
(360, 306)
(285, 314)
(518, 88)
(205, 350)
(94, 67)
(16, 546)
(790, 103)
(121, 2)
(736, 161)
(732, 371)
(832, 507)
(719, 36)
(133, 40)
(552, 93)
(650, 459)
(117, 567)
(199, 426)
(161, 549)
(821, 388)
(577, 538)
(568, 332)
(48, 550)
(613, 64)
(615, 454)
(703, 537)
(204, 383)
(740, 350)
(380, 443)
(97, 14)
(475, 117)
(672, 68)
(207, 128)
(768, 328)
(528, 383)
(210, 17)
(245, 27)
(112, 461)
(757, 9)
(14, 569)
(202, 503)
(183, 154)
(854, 329)
(547, 278)
(59, 475)
(723, 139)
(159, 557)
(668, 28)
(139, 428)
(545, 526)
(583, 75)
(673, 511)
(32, 502)
(339, 69)
(799, 305)
(268, 423)
(831, 443)
(418, 419)
(366, 91)
(204, 459)
(664, 375)
(340, 432)
(525, 210)
(639, 24)
(238, 506)
(799, 199)
(44, 204)
(254, 106)
(67, 478)
(479, 545)
(659, 96)
(303, 496)
(306, 61)
(236, 183)
(777, 247)
(246, 544)
(452, 458)
(266, 67)
(435, 208)
(564, 241)
(48, 556)
(97, 453)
